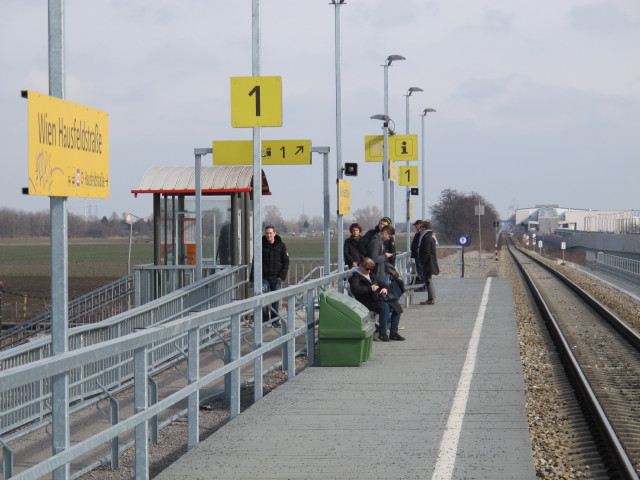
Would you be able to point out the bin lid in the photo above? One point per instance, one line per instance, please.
(339, 312)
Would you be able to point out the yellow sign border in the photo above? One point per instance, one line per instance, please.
(68, 147)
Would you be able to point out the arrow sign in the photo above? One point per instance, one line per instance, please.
(274, 152)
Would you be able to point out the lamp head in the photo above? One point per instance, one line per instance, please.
(391, 58)
(380, 116)
(413, 89)
(427, 110)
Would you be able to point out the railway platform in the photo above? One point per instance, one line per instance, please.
(447, 403)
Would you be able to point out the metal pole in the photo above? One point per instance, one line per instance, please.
(59, 256)
(257, 162)
(327, 236)
(339, 169)
(423, 193)
(407, 190)
(198, 174)
(129, 257)
(385, 160)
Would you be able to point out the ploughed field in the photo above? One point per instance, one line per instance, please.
(25, 270)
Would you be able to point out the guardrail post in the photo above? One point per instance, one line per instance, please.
(115, 441)
(194, 398)
(311, 331)
(234, 384)
(140, 403)
(7, 460)
(289, 347)
(257, 363)
(153, 399)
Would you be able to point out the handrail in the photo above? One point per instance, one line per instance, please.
(136, 347)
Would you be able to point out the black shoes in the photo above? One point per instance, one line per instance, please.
(383, 337)
(428, 302)
(396, 336)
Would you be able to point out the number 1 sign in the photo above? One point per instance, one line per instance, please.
(256, 101)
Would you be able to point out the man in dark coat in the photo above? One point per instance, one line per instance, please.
(428, 260)
(414, 249)
(275, 266)
(367, 290)
(390, 244)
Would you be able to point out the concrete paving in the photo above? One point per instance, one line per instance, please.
(446, 403)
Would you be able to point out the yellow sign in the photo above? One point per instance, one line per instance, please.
(68, 148)
(410, 207)
(344, 197)
(392, 171)
(403, 148)
(256, 101)
(274, 152)
(408, 176)
(373, 148)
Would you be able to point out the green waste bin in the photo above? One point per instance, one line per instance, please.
(345, 332)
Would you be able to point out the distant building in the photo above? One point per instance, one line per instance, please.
(549, 218)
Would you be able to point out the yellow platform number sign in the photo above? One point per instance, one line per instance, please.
(408, 176)
(344, 197)
(256, 101)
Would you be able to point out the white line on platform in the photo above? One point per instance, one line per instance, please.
(449, 444)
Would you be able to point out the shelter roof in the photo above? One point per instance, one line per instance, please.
(216, 180)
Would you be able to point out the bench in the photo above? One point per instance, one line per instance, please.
(410, 290)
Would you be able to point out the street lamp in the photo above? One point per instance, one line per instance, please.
(409, 92)
(388, 187)
(339, 216)
(385, 160)
(424, 165)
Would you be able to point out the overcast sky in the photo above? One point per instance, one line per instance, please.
(537, 102)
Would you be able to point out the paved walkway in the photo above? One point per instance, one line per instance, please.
(446, 403)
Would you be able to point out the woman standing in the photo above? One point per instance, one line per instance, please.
(352, 254)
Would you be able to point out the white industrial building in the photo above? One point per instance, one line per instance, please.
(549, 218)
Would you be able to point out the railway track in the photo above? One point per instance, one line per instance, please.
(601, 356)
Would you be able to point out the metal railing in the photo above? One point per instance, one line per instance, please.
(626, 267)
(134, 349)
(31, 401)
(107, 301)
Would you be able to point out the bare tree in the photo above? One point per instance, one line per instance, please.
(271, 216)
(368, 217)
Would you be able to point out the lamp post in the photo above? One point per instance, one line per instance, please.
(339, 169)
(385, 160)
(388, 187)
(424, 165)
(409, 92)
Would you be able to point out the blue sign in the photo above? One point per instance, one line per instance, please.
(464, 239)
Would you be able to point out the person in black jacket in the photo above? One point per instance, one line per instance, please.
(352, 253)
(275, 266)
(367, 290)
(389, 245)
(415, 242)
(429, 261)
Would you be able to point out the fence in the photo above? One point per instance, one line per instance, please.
(134, 351)
(621, 266)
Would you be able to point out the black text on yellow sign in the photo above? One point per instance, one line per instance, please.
(68, 148)
(344, 197)
(274, 152)
(402, 148)
(256, 101)
(408, 176)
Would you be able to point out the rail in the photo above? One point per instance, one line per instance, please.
(133, 351)
(31, 401)
(107, 301)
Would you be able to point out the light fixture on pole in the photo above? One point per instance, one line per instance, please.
(408, 191)
(424, 165)
(385, 160)
(388, 190)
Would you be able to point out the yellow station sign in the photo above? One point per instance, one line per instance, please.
(274, 152)
(256, 101)
(68, 148)
(408, 176)
(344, 197)
(402, 148)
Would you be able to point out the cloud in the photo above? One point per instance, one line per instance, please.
(601, 18)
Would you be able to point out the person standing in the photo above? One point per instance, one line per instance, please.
(352, 254)
(377, 251)
(427, 256)
(390, 244)
(415, 242)
(275, 266)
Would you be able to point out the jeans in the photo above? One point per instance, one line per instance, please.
(388, 316)
(270, 285)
